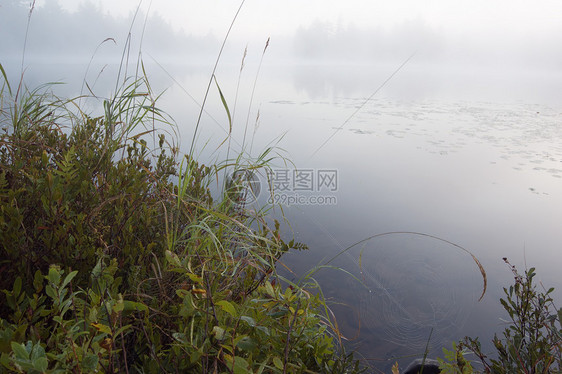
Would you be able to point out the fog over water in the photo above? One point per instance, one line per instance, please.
(464, 142)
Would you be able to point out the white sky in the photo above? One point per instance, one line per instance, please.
(482, 18)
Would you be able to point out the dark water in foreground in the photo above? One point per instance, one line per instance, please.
(472, 158)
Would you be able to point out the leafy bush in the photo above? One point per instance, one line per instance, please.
(532, 342)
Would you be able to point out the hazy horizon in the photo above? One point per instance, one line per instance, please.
(89, 30)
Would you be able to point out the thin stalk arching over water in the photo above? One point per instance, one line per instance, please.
(480, 267)
(363, 104)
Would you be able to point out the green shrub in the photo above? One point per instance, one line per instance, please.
(116, 258)
(532, 343)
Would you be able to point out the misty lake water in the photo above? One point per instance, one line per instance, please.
(462, 157)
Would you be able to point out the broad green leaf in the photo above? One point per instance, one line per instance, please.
(53, 276)
(269, 289)
(38, 281)
(173, 258)
(246, 343)
(195, 356)
(134, 306)
(241, 366)
(90, 362)
(101, 327)
(218, 332)
(180, 337)
(278, 363)
(17, 287)
(41, 364)
(195, 278)
(249, 320)
(227, 307)
(69, 278)
(119, 305)
(263, 329)
(20, 351)
(50, 292)
(37, 351)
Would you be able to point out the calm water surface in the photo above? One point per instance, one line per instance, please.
(475, 160)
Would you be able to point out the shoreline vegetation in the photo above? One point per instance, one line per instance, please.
(116, 257)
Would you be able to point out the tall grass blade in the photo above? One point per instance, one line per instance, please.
(225, 105)
(84, 82)
(139, 58)
(127, 50)
(234, 107)
(192, 146)
(6, 79)
(31, 8)
(253, 91)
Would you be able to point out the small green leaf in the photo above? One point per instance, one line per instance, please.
(41, 364)
(218, 332)
(101, 327)
(278, 363)
(241, 366)
(263, 329)
(37, 352)
(280, 313)
(134, 306)
(38, 281)
(90, 362)
(246, 343)
(54, 275)
(227, 307)
(119, 305)
(20, 351)
(69, 278)
(269, 289)
(50, 292)
(249, 320)
(195, 278)
(180, 337)
(172, 258)
(17, 287)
